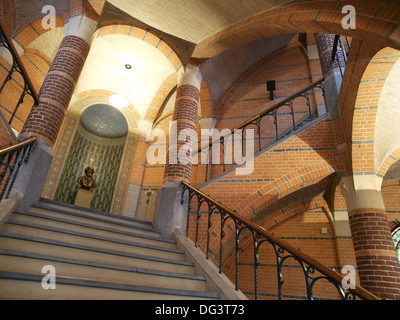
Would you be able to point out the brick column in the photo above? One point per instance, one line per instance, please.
(169, 213)
(376, 256)
(185, 117)
(46, 118)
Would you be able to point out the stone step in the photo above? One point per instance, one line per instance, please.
(96, 219)
(73, 225)
(65, 249)
(25, 262)
(91, 212)
(80, 238)
(15, 285)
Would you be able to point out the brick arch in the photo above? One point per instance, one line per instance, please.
(366, 109)
(275, 220)
(28, 32)
(37, 64)
(391, 183)
(91, 9)
(374, 22)
(205, 101)
(388, 162)
(143, 34)
(282, 187)
(160, 97)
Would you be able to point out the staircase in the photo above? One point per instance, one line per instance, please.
(95, 255)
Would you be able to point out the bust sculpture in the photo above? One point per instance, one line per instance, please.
(87, 182)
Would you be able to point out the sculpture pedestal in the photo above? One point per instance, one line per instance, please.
(83, 198)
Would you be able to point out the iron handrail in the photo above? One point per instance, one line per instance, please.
(259, 233)
(272, 111)
(17, 66)
(11, 158)
(16, 145)
(267, 111)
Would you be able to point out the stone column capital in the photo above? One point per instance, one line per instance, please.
(190, 75)
(361, 193)
(80, 26)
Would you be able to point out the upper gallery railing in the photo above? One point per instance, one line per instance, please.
(338, 43)
(283, 250)
(293, 117)
(18, 67)
(11, 159)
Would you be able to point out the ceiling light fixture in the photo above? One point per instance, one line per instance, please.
(119, 101)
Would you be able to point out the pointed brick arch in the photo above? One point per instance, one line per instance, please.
(29, 32)
(366, 109)
(282, 187)
(374, 22)
(160, 97)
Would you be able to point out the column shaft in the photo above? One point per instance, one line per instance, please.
(46, 118)
(183, 132)
(376, 256)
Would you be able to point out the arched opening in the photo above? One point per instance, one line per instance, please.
(99, 142)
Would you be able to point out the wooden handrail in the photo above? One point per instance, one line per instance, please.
(16, 145)
(359, 291)
(278, 105)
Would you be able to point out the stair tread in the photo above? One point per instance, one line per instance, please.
(107, 285)
(107, 214)
(109, 266)
(76, 223)
(92, 248)
(102, 219)
(92, 236)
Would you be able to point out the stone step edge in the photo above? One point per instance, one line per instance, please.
(101, 219)
(108, 214)
(92, 236)
(93, 249)
(87, 263)
(108, 285)
(76, 223)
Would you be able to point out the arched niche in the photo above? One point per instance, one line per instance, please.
(79, 141)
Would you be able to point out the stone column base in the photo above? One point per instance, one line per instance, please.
(169, 213)
(32, 175)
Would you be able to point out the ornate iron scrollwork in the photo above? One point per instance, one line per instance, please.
(258, 236)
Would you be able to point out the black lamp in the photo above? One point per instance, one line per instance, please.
(271, 88)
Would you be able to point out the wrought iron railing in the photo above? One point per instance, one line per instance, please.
(283, 250)
(294, 117)
(11, 159)
(338, 43)
(18, 67)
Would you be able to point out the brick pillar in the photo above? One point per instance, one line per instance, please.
(376, 256)
(46, 118)
(185, 116)
(169, 213)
